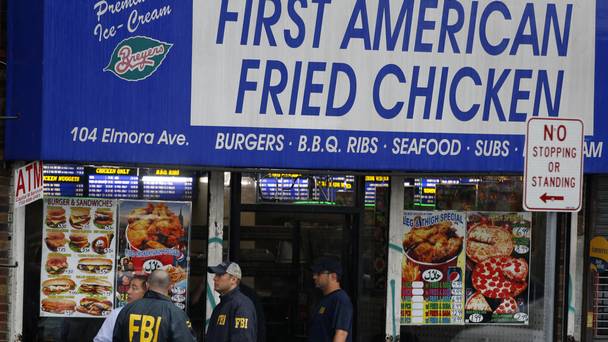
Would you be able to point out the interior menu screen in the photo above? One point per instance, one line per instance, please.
(113, 182)
(64, 180)
(165, 184)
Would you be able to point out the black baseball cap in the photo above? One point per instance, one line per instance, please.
(328, 264)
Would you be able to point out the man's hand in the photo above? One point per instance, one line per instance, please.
(340, 335)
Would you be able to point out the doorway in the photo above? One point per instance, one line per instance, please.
(277, 242)
(276, 254)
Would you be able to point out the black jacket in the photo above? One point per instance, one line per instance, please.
(233, 319)
(152, 318)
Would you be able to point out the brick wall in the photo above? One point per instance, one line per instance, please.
(4, 187)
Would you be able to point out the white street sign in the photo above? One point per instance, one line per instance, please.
(553, 173)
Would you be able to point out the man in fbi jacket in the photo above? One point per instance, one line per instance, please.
(153, 318)
(234, 318)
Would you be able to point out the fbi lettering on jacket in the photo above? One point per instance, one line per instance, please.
(143, 328)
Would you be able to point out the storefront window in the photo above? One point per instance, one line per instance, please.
(482, 205)
(96, 230)
(596, 262)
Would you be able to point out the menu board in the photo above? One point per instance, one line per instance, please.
(153, 235)
(283, 188)
(498, 267)
(371, 183)
(165, 184)
(333, 188)
(78, 253)
(64, 180)
(108, 182)
(425, 192)
(296, 187)
(433, 268)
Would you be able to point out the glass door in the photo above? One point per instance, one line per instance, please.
(277, 250)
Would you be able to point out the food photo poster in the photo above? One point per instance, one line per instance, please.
(432, 288)
(153, 235)
(78, 253)
(498, 267)
(462, 268)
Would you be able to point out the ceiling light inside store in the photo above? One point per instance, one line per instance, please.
(166, 179)
(226, 178)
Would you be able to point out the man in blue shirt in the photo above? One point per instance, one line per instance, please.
(332, 320)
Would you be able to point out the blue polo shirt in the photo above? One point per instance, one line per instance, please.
(335, 311)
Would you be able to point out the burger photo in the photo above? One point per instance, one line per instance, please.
(57, 285)
(95, 307)
(103, 217)
(78, 241)
(58, 305)
(80, 217)
(95, 265)
(95, 286)
(55, 217)
(56, 263)
(54, 240)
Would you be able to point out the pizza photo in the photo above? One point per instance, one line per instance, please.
(498, 267)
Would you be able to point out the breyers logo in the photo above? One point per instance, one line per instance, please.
(137, 58)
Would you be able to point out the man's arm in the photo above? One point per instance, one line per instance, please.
(181, 328)
(107, 329)
(244, 325)
(117, 335)
(343, 320)
(340, 335)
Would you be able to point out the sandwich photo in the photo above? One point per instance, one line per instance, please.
(58, 305)
(95, 265)
(56, 263)
(54, 240)
(95, 286)
(103, 217)
(57, 285)
(55, 217)
(78, 241)
(95, 307)
(80, 217)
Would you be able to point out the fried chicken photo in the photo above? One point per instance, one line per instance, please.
(433, 244)
(154, 227)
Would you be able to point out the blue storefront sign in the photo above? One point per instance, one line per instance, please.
(437, 85)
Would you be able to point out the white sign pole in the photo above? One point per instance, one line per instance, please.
(216, 236)
(17, 231)
(395, 255)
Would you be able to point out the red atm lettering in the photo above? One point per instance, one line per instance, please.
(20, 183)
(34, 174)
(37, 175)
